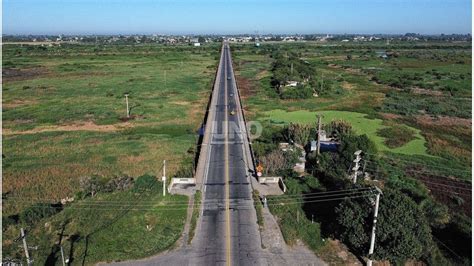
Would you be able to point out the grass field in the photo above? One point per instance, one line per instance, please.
(64, 113)
(415, 105)
(64, 118)
(108, 227)
(426, 89)
(360, 123)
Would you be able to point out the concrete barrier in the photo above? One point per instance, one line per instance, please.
(181, 180)
(247, 150)
(273, 180)
(203, 159)
(269, 180)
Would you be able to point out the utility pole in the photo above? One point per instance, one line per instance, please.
(319, 135)
(355, 169)
(291, 68)
(363, 169)
(372, 237)
(322, 81)
(25, 247)
(164, 178)
(165, 79)
(126, 101)
(62, 256)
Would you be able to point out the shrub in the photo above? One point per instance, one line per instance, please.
(91, 185)
(9, 220)
(144, 183)
(38, 211)
(396, 135)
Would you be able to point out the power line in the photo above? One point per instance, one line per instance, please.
(427, 181)
(444, 245)
(166, 202)
(185, 206)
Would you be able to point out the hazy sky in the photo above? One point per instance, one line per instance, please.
(235, 16)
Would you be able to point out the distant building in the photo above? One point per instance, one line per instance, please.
(197, 44)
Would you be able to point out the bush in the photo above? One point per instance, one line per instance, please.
(38, 211)
(436, 213)
(298, 92)
(294, 224)
(144, 183)
(396, 135)
(91, 185)
(9, 220)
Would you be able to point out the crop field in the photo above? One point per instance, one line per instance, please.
(64, 118)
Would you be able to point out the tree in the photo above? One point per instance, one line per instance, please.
(277, 161)
(338, 128)
(349, 144)
(299, 133)
(273, 162)
(402, 230)
(201, 39)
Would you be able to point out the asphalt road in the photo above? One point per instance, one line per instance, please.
(227, 231)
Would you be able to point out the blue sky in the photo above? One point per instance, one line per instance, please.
(235, 16)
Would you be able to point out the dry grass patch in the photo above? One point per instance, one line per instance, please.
(336, 253)
(77, 126)
(421, 91)
(428, 120)
(346, 85)
(245, 87)
(17, 103)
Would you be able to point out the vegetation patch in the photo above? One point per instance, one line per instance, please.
(104, 226)
(359, 122)
(397, 135)
(195, 215)
(258, 208)
(294, 224)
(424, 89)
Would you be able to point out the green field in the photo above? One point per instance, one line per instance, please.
(425, 88)
(414, 105)
(108, 227)
(360, 123)
(64, 118)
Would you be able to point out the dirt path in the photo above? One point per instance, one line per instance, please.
(273, 242)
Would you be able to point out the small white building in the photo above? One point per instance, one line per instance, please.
(291, 83)
(197, 44)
